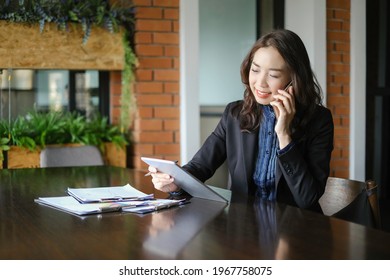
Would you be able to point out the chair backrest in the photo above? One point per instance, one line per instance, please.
(372, 193)
(351, 200)
(338, 194)
(57, 156)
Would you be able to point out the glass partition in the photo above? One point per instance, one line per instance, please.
(24, 90)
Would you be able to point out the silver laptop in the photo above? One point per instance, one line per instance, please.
(188, 182)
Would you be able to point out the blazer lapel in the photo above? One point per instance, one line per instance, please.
(250, 149)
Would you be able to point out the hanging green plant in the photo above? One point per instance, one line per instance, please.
(62, 12)
(127, 101)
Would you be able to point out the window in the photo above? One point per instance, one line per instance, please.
(84, 91)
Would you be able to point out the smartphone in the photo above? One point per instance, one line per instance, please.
(288, 85)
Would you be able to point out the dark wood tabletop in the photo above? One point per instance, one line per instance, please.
(202, 229)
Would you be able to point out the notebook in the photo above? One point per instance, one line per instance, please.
(188, 182)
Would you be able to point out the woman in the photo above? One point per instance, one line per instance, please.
(278, 140)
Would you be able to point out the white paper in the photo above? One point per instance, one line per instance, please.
(105, 194)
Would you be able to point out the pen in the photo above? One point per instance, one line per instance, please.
(150, 172)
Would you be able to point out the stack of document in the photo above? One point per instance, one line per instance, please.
(85, 201)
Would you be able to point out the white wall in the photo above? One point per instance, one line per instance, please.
(189, 79)
(214, 38)
(307, 18)
(226, 33)
(358, 91)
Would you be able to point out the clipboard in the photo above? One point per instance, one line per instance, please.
(187, 181)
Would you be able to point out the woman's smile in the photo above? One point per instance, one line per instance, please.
(263, 94)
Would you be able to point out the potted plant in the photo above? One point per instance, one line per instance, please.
(27, 135)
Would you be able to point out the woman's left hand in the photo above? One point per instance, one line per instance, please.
(284, 108)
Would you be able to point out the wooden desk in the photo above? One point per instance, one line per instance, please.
(199, 230)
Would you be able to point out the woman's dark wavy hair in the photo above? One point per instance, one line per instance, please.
(306, 88)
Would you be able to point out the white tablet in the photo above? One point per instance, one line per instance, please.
(186, 181)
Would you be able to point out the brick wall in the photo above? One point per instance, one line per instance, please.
(338, 80)
(156, 130)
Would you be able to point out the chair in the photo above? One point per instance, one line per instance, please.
(57, 156)
(372, 193)
(351, 200)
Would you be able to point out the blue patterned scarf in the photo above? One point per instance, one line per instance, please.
(264, 175)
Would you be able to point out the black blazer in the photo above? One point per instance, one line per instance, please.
(301, 173)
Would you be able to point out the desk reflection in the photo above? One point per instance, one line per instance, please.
(277, 230)
(265, 218)
(253, 229)
(171, 230)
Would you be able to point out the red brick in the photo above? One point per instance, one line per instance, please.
(176, 136)
(341, 131)
(166, 3)
(343, 163)
(172, 51)
(142, 2)
(341, 142)
(342, 14)
(346, 58)
(341, 79)
(142, 149)
(336, 153)
(167, 75)
(149, 13)
(143, 37)
(171, 124)
(333, 89)
(149, 50)
(115, 100)
(166, 38)
(338, 36)
(345, 121)
(176, 63)
(155, 99)
(145, 112)
(173, 87)
(156, 62)
(115, 88)
(334, 25)
(341, 173)
(155, 137)
(342, 110)
(153, 25)
(167, 149)
(338, 67)
(167, 112)
(345, 152)
(149, 124)
(171, 14)
(143, 75)
(176, 100)
(339, 100)
(149, 87)
(339, 4)
(115, 77)
(176, 26)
